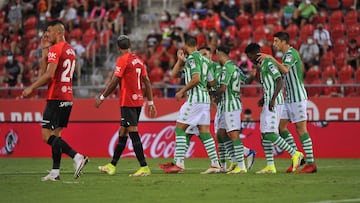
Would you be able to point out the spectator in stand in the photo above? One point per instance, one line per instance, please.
(330, 90)
(42, 21)
(183, 21)
(80, 52)
(165, 21)
(245, 64)
(309, 53)
(166, 53)
(322, 38)
(198, 8)
(244, 3)
(353, 54)
(13, 70)
(69, 15)
(178, 37)
(228, 13)
(287, 13)
(97, 15)
(227, 39)
(114, 19)
(212, 21)
(15, 15)
(305, 13)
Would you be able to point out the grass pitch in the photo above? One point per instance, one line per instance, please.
(337, 180)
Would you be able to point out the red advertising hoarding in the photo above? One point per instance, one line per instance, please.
(28, 110)
(330, 139)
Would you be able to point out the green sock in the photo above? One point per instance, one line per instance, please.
(267, 146)
(280, 142)
(210, 147)
(229, 147)
(308, 147)
(287, 136)
(239, 152)
(221, 149)
(180, 146)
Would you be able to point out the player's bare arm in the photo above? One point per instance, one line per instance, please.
(219, 92)
(110, 88)
(282, 67)
(176, 71)
(149, 95)
(279, 86)
(45, 45)
(50, 71)
(195, 79)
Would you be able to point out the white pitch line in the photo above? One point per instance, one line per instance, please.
(338, 201)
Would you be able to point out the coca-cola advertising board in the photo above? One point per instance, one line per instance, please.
(29, 110)
(98, 139)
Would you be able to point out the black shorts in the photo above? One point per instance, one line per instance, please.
(56, 114)
(130, 116)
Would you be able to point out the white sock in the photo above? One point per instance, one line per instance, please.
(77, 156)
(55, 172)
(246, 151)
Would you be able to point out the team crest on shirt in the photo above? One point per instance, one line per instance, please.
(288, 58)
(51, 56)
(273, 69)
(192, 63)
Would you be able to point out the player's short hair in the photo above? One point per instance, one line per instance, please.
(223, 49)
(123, 42)
(57, 23)
(252, 48)
(205, 47)
(191, 41)
(283, 36)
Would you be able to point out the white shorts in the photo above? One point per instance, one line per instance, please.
(228, 120)
(194, 114)
(295, 112)
(269, 120)
(192, 130)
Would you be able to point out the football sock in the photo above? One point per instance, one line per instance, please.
(308, 147)
(229, 147)
(280, 142)
(287, 136)
(180, 147)
(221, 149)
(239, 153)
(210, 148)
(267, 146)
(119, 149)
(138, 148)
(65, 148)
(55, 151)
(187, 143)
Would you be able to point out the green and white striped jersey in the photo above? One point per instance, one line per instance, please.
(215, 70)
(269, 72)
(197, 64)
(231, 76)
(294, 84)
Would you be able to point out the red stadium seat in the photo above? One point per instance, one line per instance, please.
(321, 17)
(89, 35)
(314, 91)
(30, 23)
(326, 59)
(259, 33)
(346, 73)
(353, 31)
(258, 19)
(337, 32)
(277, 28)
(242, 20)
(306, 31)
(340, 45)
(156, 76)
(329, 71)
(312, 74)
(351, 17)
(347, 3)
(340, 60)
(357, 75)
(271, 19)
(30, 34)
(3, 60)
(336, 18)
(76, 33)
(105, 36)
(293, 31)
(245, 33)
(333, 4)
(250, 91)
(243, 46)
(4, 93)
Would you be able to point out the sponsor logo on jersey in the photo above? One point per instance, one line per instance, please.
(288, 58)
(273, 69)
(192, 63)
(51, 56)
